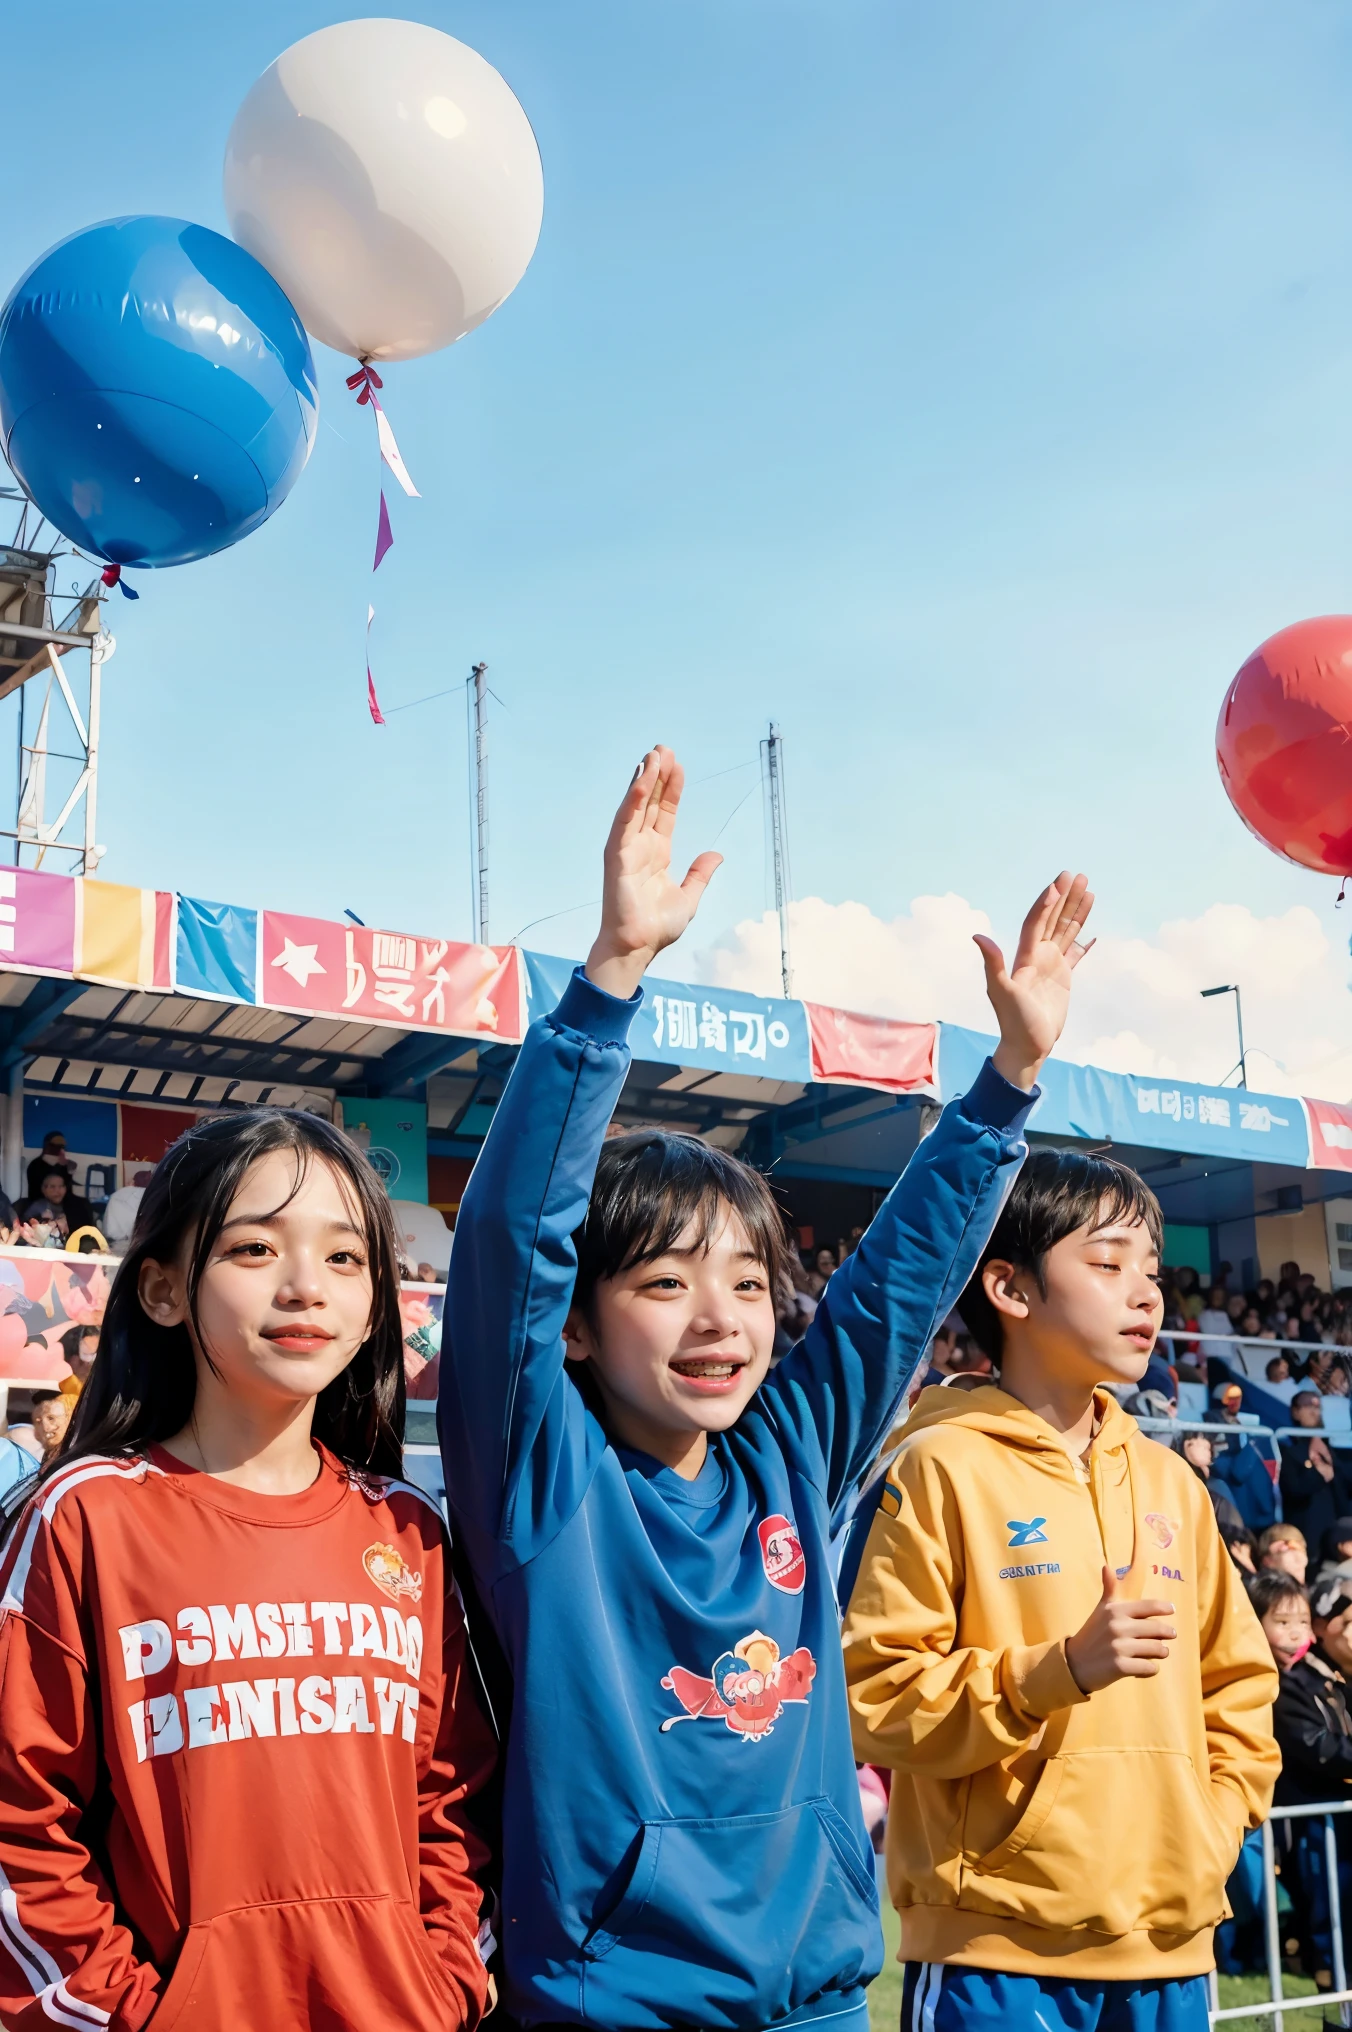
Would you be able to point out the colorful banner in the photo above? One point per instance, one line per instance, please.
(43, 1293)
(314, 967)
(122, 935)
(217, 951)
(703, 1029)
(1097, 1106)
(1330, 1135)
(37, 921)
(873, 1051)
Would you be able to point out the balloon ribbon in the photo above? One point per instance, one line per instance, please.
(112, 576)
(364, 383)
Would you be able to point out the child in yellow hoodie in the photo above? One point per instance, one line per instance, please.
(1051, 1649)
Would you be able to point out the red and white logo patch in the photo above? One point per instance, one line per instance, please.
(782, 1554)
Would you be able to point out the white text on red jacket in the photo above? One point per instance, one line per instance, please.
(312, 1704)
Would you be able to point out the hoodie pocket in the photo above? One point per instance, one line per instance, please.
(326, 1961)
(734, 1923)
(1163, 1852)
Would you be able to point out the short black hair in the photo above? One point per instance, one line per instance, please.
(1271, 1585)
(653, 1187)
(1056, 1192)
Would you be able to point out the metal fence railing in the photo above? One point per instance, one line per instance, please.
(1218, 1343)
(1278, 2005)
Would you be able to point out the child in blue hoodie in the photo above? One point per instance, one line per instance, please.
(654, 1533)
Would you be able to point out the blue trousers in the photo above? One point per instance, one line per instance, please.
(939, 1997)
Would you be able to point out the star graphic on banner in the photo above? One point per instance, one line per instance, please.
(300, 961)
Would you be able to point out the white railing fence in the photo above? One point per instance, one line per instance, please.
(1279, 2005)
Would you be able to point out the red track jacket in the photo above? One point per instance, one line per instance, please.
(236, 1737)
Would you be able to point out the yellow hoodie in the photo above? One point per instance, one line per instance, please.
(1034, 1827)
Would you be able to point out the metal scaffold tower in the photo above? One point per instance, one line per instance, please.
(57, 758)
(777, 844)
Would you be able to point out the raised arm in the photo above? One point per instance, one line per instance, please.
(842, 1388)
(518, 1443)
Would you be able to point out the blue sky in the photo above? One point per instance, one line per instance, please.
(967, 387)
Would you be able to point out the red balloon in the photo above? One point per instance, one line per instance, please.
(1284, 744)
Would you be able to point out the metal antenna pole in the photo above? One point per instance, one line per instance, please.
(777, 841)
(476, 696)
(1230, 988)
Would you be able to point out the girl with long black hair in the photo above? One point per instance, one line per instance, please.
(237, 1734)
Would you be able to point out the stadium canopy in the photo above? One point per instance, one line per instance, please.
(159, 1000)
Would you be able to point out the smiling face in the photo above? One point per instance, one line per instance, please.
(1096, 1313)
(679, 1346)
(1287, 1629)
(284, 1302)
(1287, 1555)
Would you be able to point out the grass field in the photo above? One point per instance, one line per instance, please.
(884, 1999)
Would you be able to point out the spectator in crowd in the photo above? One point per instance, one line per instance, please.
(1241, 1545)
(79, 1345)
(51, 1416)
(1283, 1610)
(1281, 1549)
(51, 1157)
(1316, 1484)
(1198, 1450)
(970, 1360)
(1215, 1319)
(823, 1269)
(1313, 1725)
(1152, 1404)
(1241, 1463)
(1292, 1330)
(1282, 1606)
(58, 1207)
(16, 1465)
(943, 1352)
(1278, 1369)
(1188, 1284)
(1335, 1550)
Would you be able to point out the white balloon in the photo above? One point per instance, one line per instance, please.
(388, 179)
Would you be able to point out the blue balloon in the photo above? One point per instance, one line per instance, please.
(157, 392)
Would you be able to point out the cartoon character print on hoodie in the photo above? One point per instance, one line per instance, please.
(1027, 1819)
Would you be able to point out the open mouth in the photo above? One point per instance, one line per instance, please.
(708, 1372)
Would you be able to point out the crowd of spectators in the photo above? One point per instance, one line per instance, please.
(1287, 1524)
(53, 1211)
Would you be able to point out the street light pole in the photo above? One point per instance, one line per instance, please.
(1229, 988)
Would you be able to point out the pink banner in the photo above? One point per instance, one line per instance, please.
(37, 921)
(1330, 1135)
(872, 1051)
(310, 965)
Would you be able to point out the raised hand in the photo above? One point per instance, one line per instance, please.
(1030, 999)
(642, 909)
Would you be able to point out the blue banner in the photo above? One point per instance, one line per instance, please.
(217, 950)
(703, 1029)
(1099, 1107)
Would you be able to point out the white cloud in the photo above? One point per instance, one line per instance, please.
(1137, 1005)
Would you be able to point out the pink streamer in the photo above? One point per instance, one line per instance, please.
(372, 701)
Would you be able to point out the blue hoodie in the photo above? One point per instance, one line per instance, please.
(683, 1844)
